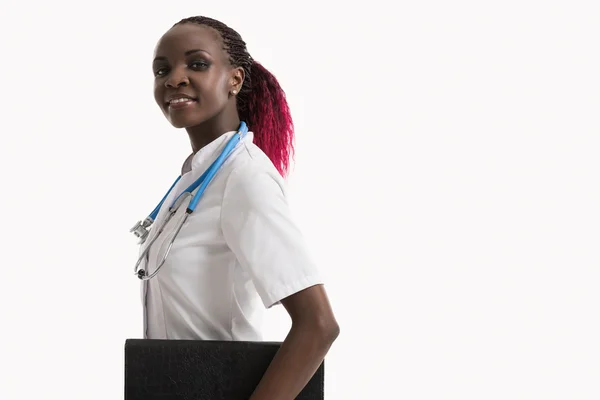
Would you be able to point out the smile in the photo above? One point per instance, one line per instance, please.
(181, 103)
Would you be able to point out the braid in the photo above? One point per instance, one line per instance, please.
(261, 102)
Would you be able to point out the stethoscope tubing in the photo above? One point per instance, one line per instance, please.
(201, 184)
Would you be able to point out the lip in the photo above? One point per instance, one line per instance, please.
(181, 105)
(184, 104)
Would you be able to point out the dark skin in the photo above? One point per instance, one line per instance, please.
(190, 61)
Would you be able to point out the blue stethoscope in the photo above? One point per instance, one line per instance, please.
(141, 228)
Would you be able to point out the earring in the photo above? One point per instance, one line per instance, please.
(234, 91)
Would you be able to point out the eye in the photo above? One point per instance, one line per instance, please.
(199, 65)
(160, 72)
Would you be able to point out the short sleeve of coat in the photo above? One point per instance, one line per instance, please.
(259, 229)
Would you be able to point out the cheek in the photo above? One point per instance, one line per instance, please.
(158, 93)
(218, 90)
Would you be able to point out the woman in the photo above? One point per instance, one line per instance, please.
(239, 252)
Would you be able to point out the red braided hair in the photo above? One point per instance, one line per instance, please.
(261, 102)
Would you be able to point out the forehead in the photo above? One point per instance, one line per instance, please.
(188, 36)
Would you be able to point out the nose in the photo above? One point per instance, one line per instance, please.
(177, 80)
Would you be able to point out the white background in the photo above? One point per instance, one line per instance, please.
(447, 178)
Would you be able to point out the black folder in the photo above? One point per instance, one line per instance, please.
(202, 370)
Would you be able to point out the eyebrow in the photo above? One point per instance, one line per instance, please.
(187, 53)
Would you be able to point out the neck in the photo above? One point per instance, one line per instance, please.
(210, 130)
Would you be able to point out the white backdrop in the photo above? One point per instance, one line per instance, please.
(447, 178)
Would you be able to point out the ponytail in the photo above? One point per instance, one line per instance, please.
(261, 102)
(268, 116)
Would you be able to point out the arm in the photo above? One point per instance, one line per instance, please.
(259, 229)
(314, 329)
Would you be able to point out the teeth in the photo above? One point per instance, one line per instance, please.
(182, 100)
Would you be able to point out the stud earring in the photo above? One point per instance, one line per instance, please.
(234, 91)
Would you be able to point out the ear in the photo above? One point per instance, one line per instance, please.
(236, 80)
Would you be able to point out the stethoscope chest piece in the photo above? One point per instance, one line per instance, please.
(141, 228)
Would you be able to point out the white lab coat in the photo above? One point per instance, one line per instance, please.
(237, 255)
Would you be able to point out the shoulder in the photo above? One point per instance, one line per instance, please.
(251, 172)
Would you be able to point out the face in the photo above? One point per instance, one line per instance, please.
(194, 80)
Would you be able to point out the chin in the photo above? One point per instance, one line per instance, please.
(185, 121)
(181, 124)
